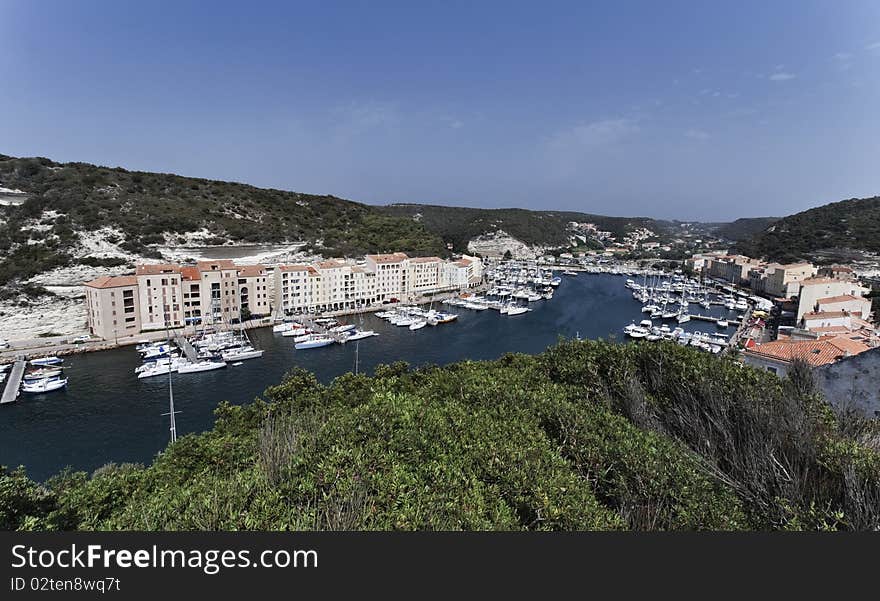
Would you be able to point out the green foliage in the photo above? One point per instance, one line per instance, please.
(588, 435)
(848, 224)
(146, 207)
(744, 228)
(459, 225)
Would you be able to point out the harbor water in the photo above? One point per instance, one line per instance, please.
(107, 415)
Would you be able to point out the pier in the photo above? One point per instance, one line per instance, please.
(309, 322)
(733, 322)
(13, 383)
(187, 348)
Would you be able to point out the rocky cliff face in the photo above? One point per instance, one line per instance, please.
(495, 244)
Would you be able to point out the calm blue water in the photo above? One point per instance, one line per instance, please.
(107, 415)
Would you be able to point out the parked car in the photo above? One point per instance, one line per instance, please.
(80, 339)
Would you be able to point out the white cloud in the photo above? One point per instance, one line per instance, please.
(456, 124)
(843, 56)
(595, 135)
(874, 46)
(697, 134)
(782, 76)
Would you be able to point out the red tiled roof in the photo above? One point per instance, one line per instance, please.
(249, 271)
(329, 264)
(106, 281)
(825, 314)
(837, 299)
(216, 265)
(293, 267)
(425, 260)
(157, 269)
(390, 258)
(190, 273)
(819, 352)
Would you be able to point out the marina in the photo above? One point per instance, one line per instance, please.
(108, 413)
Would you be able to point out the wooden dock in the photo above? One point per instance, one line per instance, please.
(187, 348)
(13, 382)
(733, 322)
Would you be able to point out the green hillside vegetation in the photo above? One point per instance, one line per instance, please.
(744, 228)
(588, 435)
(849, 224)
(145, 206)
(459, 225)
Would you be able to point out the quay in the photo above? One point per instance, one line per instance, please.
(10, 393)
(716, 319)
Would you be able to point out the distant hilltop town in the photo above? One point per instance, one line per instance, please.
(214, 292)
(825, 315)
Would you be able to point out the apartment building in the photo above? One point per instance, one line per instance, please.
(732, 268)
(816, 288)
(217, 292)
(111, 306)
(254, 291)
(780, 281)
(160, 299)
(339, 285)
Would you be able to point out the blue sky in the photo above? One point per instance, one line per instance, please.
(690, 110)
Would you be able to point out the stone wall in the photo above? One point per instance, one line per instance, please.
(853, 382)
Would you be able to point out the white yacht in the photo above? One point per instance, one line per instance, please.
(361, 334)
(191, 368)
(315, 341)
(418, 324)
(241, 353)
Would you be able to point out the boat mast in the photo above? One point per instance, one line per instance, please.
(171, 411)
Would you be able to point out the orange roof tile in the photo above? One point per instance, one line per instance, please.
(190, 273)
(106, 281)
(819, 352)
(293, 267)
(216, 265)
(388, 258)
(157, 269)
(837, 299)
(250, 271)
(825, 314)
(425, 260)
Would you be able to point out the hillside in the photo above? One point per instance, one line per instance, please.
(460, 225)
(134, 211)
(744, 228)
(848, 225)
(588, 435)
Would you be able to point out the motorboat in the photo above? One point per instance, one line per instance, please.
(634, 331)
(190, 368)
(418, 324)
(283, 327)
(155, 352)
(44, 361)
(683, 318)
(45, 385)
(241, 353)
(43, 373)
(343, 328)
(314, 342)
(516, 310)
(722, 323)
(574, 273)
